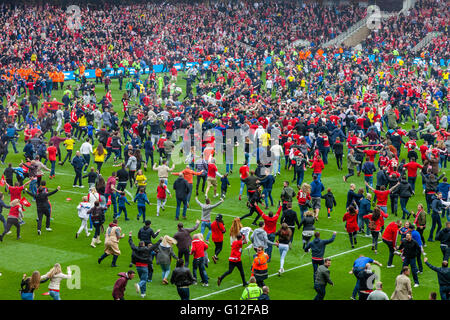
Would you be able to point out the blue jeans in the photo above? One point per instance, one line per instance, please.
(30, 296)
(200, 264)
(356, 288)
(52, 169)
(436, 220)
(271, 237)
(54, 295)
(242, 188)
(206, 224)
(412, 182)
(369, 180)
(445, 292)
(361, 223)
(183, 293)
(300, 176)
(412, 262)
(141, 210)
(87, 158)
(403, 202)
(165, 270)
(177, 214)
(320, 289)
(228, 167)
(268, 195)
(276, 165)
(113, 201)
(143, 276)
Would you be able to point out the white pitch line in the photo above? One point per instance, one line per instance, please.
(275, 274)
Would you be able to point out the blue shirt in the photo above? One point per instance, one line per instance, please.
(141, 199)
(416, 236)
(443, 188)
(316, 189)
(361, 262)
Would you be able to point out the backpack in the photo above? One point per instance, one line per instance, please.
(372, 225)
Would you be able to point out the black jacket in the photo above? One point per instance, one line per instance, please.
(411, 249)
(431, 183)
(308, 223)
(330, 201)
(442, 273)
(444, 237)
(146, 234)
(142, 254)
(382, 178)
(181, 188)
(122, 175)
(366, 279)
(42, 200)
(182, 277)
(290, 218)
(404, 190)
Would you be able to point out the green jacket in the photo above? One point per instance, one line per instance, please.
(252, 292)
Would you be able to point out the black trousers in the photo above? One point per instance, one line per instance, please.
(218, 248)
(9, 223)
(198, 183)
(231, 266)
(186, 254)
(339, 161)
(41, 214)
(78, 177)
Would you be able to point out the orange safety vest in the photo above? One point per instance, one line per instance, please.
(61, 76)
(98, 72)
(260, 262)
(82, 69)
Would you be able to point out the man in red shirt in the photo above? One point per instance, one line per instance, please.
(390, 238)
(244, 173)
(371, 154)
(235, 260)
(51, 155)
(270, 226)
(412, 167)
(423, 151)
(287, 146)
(382, 195)
(211, 177)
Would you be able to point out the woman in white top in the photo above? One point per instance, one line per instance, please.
(55, 275)
(83, 208)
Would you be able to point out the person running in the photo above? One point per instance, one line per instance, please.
(83, 207)
(444, 237)
(97, 215)
(121, 284)
(198, 250)
(13, 219)
(403, 290)
(410, 251)
(29, 284)
(164, 255)
(182, 278)
(161, 196)
(443, 275)
(206, 215)
(390, 239)
(141, 256)
(55, 275)
(141, 199)
(289, 217)
(42, 206)
(351, 224)
(308, 228)
(184, 240)
(234, 261)
(321, 279)
(284, 239)
(317, 247)
(99, 156)
(217, 231)
(112, 238)
(270, 226)
(376, 220)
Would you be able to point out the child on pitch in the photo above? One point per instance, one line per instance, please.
(83, 208)
(121, 201)
(161, 196)
(330, 201)
(224, 186)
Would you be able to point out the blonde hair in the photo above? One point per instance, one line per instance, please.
(168, 241)
(306, 188)
(14, 203)
(308, 213)
(54, 271)
(198, 236)
(236, 227)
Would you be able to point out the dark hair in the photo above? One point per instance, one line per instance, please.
(180, 263)
(148, 222)
(131, 272)
(261, 223)
(316, 234)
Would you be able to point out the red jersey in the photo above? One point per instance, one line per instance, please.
(382, 197)
(161, 192)
(217, 231)
(390, 233)
(212, 170)
(270, 222)
(371, 154)
(236, 251)
(52, 153)
(412, 168)
(198, 248)
(244, 172)
(16, 192)
(351, 224)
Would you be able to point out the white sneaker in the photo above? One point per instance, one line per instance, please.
(39, 232)
(80, 186)
(74, 186)
(391, 266)
(143, 295)
(9, 232)
(48, 229)
(88, 234)
(216, 195)
(205, 285)
(416, 285)
(138, 289)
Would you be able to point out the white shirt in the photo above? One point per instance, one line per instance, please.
(277, 150)
(86, 148)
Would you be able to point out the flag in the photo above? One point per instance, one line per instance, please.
(2, 181)
(25, 202)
